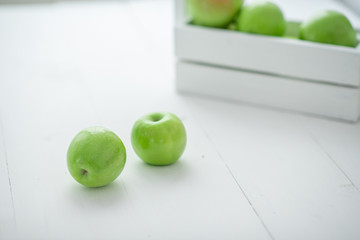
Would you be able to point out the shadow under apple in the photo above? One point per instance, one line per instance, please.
(172, 173)
(99, 197)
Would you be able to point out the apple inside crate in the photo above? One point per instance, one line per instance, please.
(279, 72)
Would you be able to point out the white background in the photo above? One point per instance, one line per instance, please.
(247, 173)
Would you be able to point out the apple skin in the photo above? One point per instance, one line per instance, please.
(262, 17)
(329, 27)
(96, 157)
(159, 138)
(213, 13)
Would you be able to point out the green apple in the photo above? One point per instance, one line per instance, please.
(262, 17)
(329, 27)
(159, 138)
(96, 157)
(213, 13)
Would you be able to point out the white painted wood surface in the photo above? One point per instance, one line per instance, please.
(247, 173)
(281, 56)
(323, 100)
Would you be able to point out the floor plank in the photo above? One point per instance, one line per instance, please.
(297, 189)
(340, 142)
(75, 70)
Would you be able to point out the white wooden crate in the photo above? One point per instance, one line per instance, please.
(324, 79)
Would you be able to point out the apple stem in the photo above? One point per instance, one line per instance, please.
(84, 172)
(156, 117)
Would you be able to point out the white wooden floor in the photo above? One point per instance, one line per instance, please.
(247, 173)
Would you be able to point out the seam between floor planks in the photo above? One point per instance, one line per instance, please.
(234, 178)
(3, 146)
(333, 160)
(241, 189)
